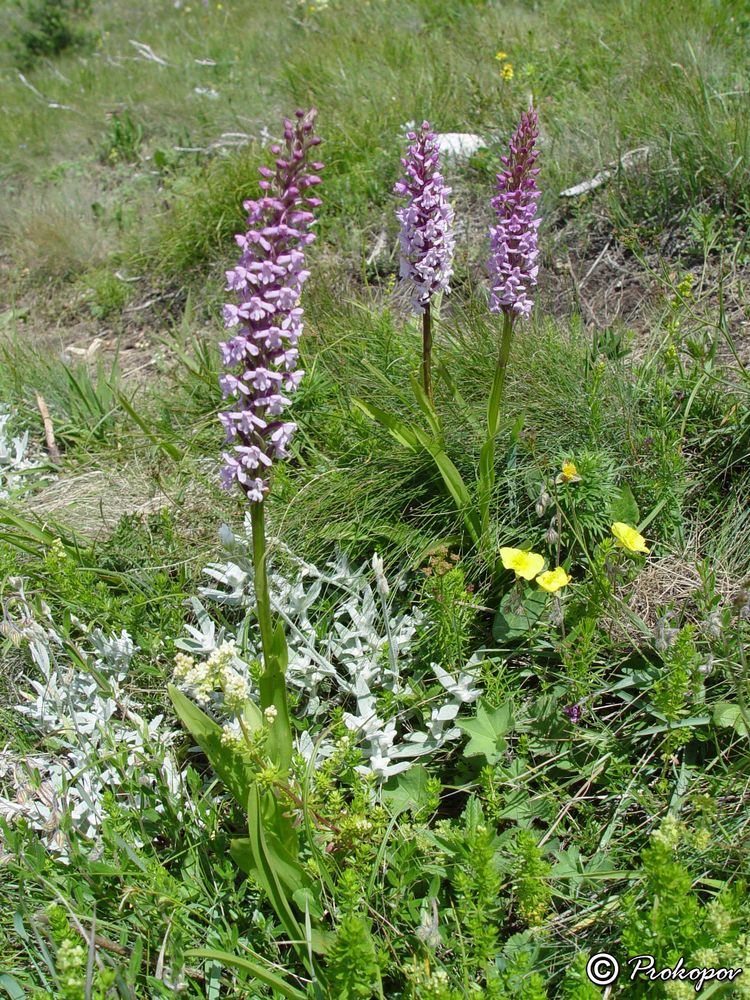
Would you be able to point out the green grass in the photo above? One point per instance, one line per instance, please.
(367, 75)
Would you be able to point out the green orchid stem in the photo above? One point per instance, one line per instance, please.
(272, 681)
(498, 383)
(427, 350)
(487, 470)
(262, 600)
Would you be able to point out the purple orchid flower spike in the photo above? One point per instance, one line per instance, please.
(514, 240)
(266, 319)
(427, 241)
(426, 238)
(513, 271)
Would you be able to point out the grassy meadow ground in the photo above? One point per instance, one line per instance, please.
(504, 861)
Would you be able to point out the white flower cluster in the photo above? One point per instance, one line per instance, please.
(219, 672)
(100, 740)
(359, 650)
(15, 461)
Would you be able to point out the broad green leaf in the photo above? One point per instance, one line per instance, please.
(521, 807)
(307, 902)
(281, 840)
(261, 972)
(486, 465)
(272, 686)
(290, 872)
(279, 823)
(729, 716)
(414, 438)
(624, 506)
(252, 716)
(236, 774)
(279, 647)
(267, 873)
(512, 623)
(693, 723)
(487, 731)
(11, 987)
(459, 492)
(264, 872)
(467, 411)
(25, 534)
(408, 791)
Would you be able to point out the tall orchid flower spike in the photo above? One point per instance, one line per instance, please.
(261, 356)
(427, 240)
(266, 318)
(513, 263)
(513, 271)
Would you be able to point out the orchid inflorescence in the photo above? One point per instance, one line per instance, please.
(268, 280)
(513, 263)
(426, 237)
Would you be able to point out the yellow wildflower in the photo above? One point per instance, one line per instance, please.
(525, 564)
(629, 538)
(553, 579)
(569, 474)
(501, 55)
(507, 71)
(569, 470)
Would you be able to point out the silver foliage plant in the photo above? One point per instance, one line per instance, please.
(367, 649)
(98, 738)
(98, 735)
(16, 461)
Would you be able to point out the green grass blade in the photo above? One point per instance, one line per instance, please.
(261, 973)
(169, 449)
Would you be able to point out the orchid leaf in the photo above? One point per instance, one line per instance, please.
(426, 406)
(235, 773)
(457, 489)
(170, 450)
(272, 685)
(397, 428)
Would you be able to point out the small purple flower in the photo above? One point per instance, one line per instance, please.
(427, 240)
(268, 282)
(574, 713)
(514, 251)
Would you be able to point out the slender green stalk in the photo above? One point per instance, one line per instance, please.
(498, 383)
(272, 681)
(487, 458)
(427, 351)
(262, 599)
